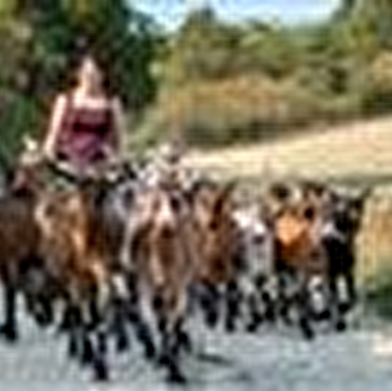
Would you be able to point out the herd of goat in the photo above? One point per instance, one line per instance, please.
(117, 254)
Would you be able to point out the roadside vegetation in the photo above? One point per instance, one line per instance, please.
(216, 84)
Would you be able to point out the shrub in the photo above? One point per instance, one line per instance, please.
(240, 109)
(377, 96)
(19, 115)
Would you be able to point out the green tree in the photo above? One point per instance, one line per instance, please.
(37, 38)
(269, 49)
(204, 48)
(124, 37)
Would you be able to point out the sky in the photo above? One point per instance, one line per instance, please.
(170, 13)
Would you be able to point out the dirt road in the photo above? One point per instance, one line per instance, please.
(360, 359)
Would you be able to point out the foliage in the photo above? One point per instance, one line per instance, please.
(247, 107)
(211, 81)
(223, 83)
(378, 96)
(38, 40)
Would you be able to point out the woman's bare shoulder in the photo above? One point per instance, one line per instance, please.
(61, 99)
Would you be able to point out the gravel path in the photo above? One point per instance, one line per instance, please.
(276, 360)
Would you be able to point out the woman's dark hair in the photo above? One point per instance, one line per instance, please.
(76, 59)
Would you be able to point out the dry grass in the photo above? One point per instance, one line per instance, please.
(375, 244)
(360, 150)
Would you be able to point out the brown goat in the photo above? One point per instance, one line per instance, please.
(218, 245)
(163, 255)
(78, 258)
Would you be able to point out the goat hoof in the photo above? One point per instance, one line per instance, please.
(344, 308)
(9, 333)
(252, 328)
(270, 315)
(230, 326)
(88, 354)
(254, 325)
(307, 332)
(212, 320)
(185, 342)
(176, 377)
(285, 316)
(44, 321)
(65, 322)
(101, 373)
(63, 327)
(122, 344)
(149, 352)
(341, 326)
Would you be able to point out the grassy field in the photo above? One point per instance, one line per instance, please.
(359, 149)
(356, 154)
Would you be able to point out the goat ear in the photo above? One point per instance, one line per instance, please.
(365, 194)
(223, 196)
(226, 192)
(229, 188)
(9, 174)
(189, 196)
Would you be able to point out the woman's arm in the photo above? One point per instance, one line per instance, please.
(120, 124)
(56, 120)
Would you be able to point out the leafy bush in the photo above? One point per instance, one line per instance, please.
(241, 109)
(377, 97)
(379, 295)
(18, 116)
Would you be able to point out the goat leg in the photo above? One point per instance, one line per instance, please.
(99, 361)
(337, 317)
(9, 328)
(232, 306)
(169, 356)
(304, 311)
(119, 325)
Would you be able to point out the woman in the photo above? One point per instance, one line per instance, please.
(87, 124)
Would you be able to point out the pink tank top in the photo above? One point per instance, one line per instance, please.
(85, 134)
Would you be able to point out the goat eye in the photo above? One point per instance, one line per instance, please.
(128, 197)
(259, 239)
(309, 213)
(50, 210)
(175, 203)
(357, 206)
(354, 215)
(213, 226)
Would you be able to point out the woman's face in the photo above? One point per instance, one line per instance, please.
(89, 74)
